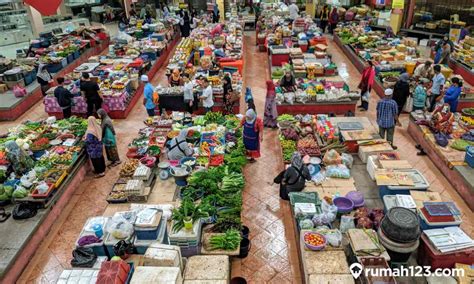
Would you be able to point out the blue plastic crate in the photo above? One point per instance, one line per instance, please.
(384, 190)
(100, 250)
(30, 77)
(147, 234)
(54, 68)
(76, 54)
(70, 58)
(469, 158)
(425, 226)
(64, 62)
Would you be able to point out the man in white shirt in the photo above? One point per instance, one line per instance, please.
(206, 97)
(188, 94)
(294, 10)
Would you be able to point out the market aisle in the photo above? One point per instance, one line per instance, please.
(54, 253)
(406, 146)
(273, 256)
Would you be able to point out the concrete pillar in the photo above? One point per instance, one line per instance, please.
(36, 20)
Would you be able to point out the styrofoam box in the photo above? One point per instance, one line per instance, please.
(163, 255)
(156, 275)
(208, 267)
(372, 166)
(78, 276)
(366, 151)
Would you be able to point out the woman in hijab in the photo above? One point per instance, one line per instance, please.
(178, 147)
(109, 138)
(333, 20)
(21, 163)
(252, 134)
(288, 82)
(94, 149)
(249, 99)
(365, 85)
(44, 78)
(401, 91)
(228, 93)
(270, 115)
(186, 24)
(175, 78)
(295, 176)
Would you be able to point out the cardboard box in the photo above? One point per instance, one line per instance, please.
(3, 88)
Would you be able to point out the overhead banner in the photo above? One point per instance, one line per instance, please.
(398, 4)
(46, 8)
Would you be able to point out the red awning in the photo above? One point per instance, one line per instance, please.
(45, 7)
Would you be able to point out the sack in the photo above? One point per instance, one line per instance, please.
(234, 96)
(83, 257)
(19, 91)
(408, 107)
(24, 211)
(365, 96)
(441, 139)
(156, 98)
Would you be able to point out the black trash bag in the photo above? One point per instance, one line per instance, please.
(24, 210)
(123, 248)
(83, 257)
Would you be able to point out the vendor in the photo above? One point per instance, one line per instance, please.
(294, 10)
(288, 82)
(188, 94)
(44, 78)
(451, 96)
(424, 70)
(442, 120)
(401, 91)
(178, 148)
(295, 177)
(175, 78)
(207, 96)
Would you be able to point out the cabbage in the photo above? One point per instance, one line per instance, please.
(20, 192)
(306, 224)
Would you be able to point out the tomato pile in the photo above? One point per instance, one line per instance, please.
(314, 239)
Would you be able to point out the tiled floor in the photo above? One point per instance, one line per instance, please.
(273, 257)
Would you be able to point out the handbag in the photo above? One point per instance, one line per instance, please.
(109, 138)
(408, 107)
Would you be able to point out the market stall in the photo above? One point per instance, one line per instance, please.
(206, 54)
(161, 210)
(391, 56)
(61, 58)
(117, 75)
(37, 181)
(462, 61)
(451, 159)
(340, 219)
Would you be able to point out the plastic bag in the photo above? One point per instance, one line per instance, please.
(338, 171)
(19, 91)
(120, 228)
(328, 208)
(83, 257)
(123, 249)
(319, 178)
(306, 224)
(332, 157)
(24, 211)
(347, 160)
(408, 105)
(334, 237)
(347, 222)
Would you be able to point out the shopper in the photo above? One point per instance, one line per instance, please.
(44, 78)
(64, 98)
(93, 140)
(194, 20)
(186, 24)
(295, 177)
(387, 114)
(294, 10)
(148, 97)
(424, 70)
(175, 78)
(228, 95)
(445, 54)
(419, 96)
(215, 14)
(288, 82)
(178, 147)
(365, 85)
(324, 18)
(207, 96)
(249, 99)
(252, 134)
(90, 91)
(270, 115)
(188, 90)
(109, 138)
(333, 20)
(451, 96)
(401, 91)
(436, 87)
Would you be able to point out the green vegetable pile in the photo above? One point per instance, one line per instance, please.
(286, 117)
(288, 147)
(230, 240)
(187, 209)
(6, 192)
(214, 117)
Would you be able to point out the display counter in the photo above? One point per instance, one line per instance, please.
(12, 107)
(463, 70)
(316, 108)
(20, 239)
(449, 161)
(176, 103)
(378, 87)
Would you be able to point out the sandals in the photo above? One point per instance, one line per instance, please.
(99, 175)
(3, 215)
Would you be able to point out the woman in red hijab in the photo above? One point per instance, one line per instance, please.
(365, 85)
(270, 115)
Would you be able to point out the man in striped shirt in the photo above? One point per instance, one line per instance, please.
(387, 113)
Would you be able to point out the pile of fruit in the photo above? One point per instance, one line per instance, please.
(314, 240)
